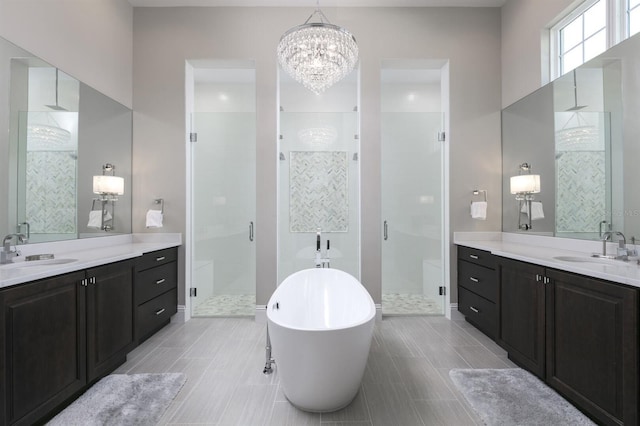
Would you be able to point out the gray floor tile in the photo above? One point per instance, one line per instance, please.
(194, 369)
(406, 380)
(443, 413)
(390, 404)
(208, 399)
(480, 357)
(250, 405)
(422, 380)
(285, 414)
(356, 411)
(380, 369)
(158, 361)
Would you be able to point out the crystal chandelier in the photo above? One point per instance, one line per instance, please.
(317, 54)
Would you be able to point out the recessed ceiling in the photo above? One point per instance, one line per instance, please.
(323, 3)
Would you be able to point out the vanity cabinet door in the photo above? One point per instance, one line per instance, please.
(522, 310)
(110, 308)
(43, 357)
(592, 345)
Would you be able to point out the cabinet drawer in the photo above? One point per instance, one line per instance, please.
(156, 312)
(479, 257)
(156, 258)
(155, 281)
(478, 311)
(478, 279)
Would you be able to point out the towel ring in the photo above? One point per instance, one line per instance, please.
(161, 202)
(478, 191)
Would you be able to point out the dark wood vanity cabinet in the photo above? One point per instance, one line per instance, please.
(43, 342)
(156, 291)
(478, 289)
(110, 310)
(522, 310)
(577, 333)
(592, 345)
(61, 334)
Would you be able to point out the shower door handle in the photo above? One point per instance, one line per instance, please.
(386, 230)
(250, 231)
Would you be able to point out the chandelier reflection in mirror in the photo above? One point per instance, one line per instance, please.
(317, 54)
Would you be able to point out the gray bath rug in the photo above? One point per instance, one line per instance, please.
(122, 400)
(514, 397)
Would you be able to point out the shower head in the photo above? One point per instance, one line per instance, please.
(576, 108)
(56, 107)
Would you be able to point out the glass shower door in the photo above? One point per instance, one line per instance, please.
(223, 213)
(412, 208)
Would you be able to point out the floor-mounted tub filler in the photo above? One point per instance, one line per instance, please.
(320, 325)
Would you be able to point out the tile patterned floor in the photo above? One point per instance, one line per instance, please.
(406, 381)
(226, 305)
(409, 304)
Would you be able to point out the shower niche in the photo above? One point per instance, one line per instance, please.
(318, 176)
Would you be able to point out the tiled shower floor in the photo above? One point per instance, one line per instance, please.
(245, 304)
(409, 304)
(226, 305)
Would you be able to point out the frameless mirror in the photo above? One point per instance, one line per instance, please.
(61, 133)
(579, 133)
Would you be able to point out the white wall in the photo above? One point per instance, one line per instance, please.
(469, 38)
(524, 42)
(90, 40)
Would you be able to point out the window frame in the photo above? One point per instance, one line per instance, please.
(626, 18)
(555, 47)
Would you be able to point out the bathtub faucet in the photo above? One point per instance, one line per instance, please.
(322, 262)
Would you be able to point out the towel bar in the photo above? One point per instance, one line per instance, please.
(161, 202)
(478, 191)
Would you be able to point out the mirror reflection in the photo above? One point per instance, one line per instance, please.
(579, 133)
(61, 133)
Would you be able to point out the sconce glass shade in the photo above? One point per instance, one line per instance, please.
(529, 184)
(108, 185)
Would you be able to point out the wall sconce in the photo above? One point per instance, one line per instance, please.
(108, 187)
(523, 186)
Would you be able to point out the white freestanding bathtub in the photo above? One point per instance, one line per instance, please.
(320, 324)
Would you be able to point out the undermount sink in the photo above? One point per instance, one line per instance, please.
(36, 263)
(593, 259)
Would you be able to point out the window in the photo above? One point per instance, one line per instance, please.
(582, 35)
(633, 17)
(590, 29)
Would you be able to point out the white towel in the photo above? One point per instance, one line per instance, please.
(154, 219)
(536, 210)
(479, 210)
(94, 218)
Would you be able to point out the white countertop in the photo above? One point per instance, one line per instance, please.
(81, 254)
(543, 251)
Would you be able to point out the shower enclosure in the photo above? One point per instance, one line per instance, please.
(223, 157)
(412, 190)
(318, 176)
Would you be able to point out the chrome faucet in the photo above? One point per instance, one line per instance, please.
(622, 253)
(318, 251)
(7, 255)
(322, 262)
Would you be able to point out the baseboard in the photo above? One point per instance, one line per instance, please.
(180, 316)
(378, 312)
(261, 314)
(454, 313)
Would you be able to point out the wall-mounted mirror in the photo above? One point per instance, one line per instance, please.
(60, 133)
(580, 134)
